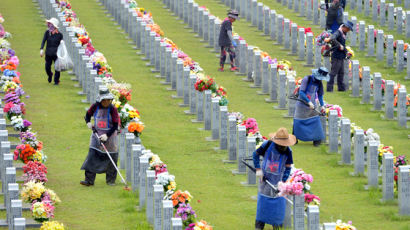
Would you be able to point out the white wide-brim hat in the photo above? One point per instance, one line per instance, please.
(53, 21)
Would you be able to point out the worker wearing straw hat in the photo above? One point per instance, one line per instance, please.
(53, 38)
(276, 166)
(106, 120)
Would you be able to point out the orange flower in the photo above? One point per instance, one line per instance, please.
(132, 127)
(139, 127)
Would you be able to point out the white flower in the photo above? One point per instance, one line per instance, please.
(307, 186)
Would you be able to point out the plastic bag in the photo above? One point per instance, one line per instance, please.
(63, 62)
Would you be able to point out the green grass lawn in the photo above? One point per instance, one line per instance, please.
(57, 116)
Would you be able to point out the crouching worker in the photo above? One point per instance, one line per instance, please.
(276, 166)
(106, 120)
(306, 122)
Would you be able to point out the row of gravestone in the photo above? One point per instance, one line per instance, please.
(130, 152)
(215, 118)
(359, 37)
(359, 157)
(10, 188)
(274, 26)
(237, 134)
(396, 17)
(237, 151)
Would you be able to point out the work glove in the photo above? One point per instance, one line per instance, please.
(41, 53)
(89, 125)
(234, 44)
(311, 105)
(259, 173)
(104, 137)
(322, 109)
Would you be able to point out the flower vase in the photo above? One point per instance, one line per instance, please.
(137, 140)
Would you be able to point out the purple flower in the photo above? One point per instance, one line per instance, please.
(26, 123)
(11, 52)
(16, 109)
(19, 92)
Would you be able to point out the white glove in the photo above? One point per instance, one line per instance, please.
(322, 109)
(311, 105)
(103, 137)
(41, 53)
(341, 47)
(259, 173)
(89, 125)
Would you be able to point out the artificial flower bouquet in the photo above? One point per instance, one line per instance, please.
(20, 124)
(344, 226)
(121, 92)
(383, 150)
(180, 197)
(186, 213)
(36, 191)
(251, 126)
(42, 210)
(14, 110)
(238, 115)
(26, 153)
(311, 199)
(297, 184)
(136, 127)
(35, 171)
(157, 165)
(204, 83)
(330, 107)
(167, 181)
(201, 225)
(30, 138)
(52, 225)
(127, 113)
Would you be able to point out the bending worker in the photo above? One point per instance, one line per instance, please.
(106, 120)
(276, 166)
(226, 41)
(306, 122)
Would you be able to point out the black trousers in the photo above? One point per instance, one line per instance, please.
(49, 61)
(259, 225)
(110, 174)
(337, 70)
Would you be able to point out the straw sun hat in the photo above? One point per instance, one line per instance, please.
(282, 137)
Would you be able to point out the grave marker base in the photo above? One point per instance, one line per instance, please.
(245, 183)
(367, 187)
(254, 86)
(210, 139)
(159, 76)
(176, 97)
(341, 163)
(84, 101)
(236, 172)
(308, 65)
(183, 105)
(356, 174)
(165, 83)
(228, 161)
(170, 89)
(187, 112)
(278, 108)
(196, 121)
(145, 59)
(287, 116)
(268, 100)
(246, 79)
(384, 118)
(261, 93)
(154, 71)
(26, 207)
(147, 64)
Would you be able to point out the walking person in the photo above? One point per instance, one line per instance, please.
(226, 41)
(53, 37)
(276, 167)
(106, 121)
(306, 122)
(334, 16)
(338, 40)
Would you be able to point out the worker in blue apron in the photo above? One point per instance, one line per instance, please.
(276, 166)
(306, 122)
(106, 120)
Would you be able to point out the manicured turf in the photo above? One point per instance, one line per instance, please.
(218, 197)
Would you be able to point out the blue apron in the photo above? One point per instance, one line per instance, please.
(269, 209)
(306, 123)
